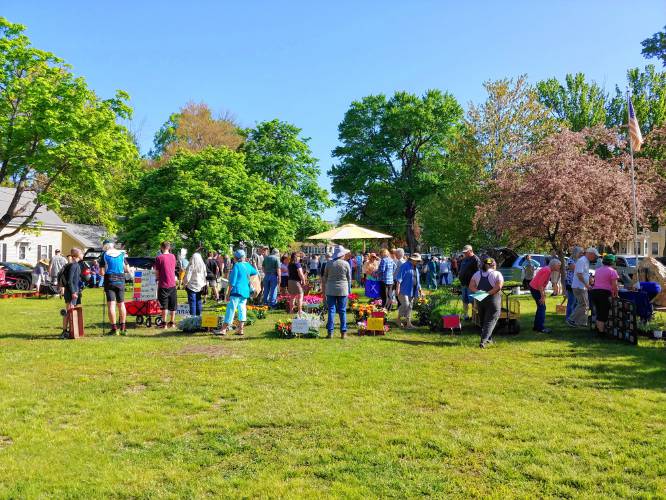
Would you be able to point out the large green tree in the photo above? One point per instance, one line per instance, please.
(655, 46)
(394, 154)
(275, 151)
(577, 104)
(208, 198)
(648, 95)
(59, 142)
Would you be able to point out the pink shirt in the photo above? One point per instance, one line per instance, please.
(541, 278)
(604, 277)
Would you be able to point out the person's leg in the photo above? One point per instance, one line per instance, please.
(539, 316)
(266, 286)
(229, 315)
(341, 305)
(410, 302)
(273, 293)
(123, 316)
(389, 297)
(571, 303)
(242, 315)
(492, 312)
(198, 302)
(192, 301)
(382, 292)
(111, 304)
(402, 309)
(465, 301)
(330, 323)
(173, 305)
(299, 303)
(579, 316)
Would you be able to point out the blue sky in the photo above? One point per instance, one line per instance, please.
(304, 62)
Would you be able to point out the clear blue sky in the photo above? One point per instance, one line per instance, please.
(304, 62)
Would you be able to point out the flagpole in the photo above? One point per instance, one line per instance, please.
(633, 187)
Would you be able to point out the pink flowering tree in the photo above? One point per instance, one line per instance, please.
(573, 189)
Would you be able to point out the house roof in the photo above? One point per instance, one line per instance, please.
(44, 216)
(90, 236)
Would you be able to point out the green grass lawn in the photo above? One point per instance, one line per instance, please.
(165, 414)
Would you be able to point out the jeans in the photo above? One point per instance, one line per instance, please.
(466, 299)
(571, 303)
(194, 300)
(540, 316)
(339, 304)
(270, 289)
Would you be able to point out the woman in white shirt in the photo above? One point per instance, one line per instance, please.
(195, 282)
(489, 280)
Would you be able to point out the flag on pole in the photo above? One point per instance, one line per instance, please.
(635, 135)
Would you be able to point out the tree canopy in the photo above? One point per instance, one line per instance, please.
(58, 139)
(393, 155)
(655, 46)
(194, 128)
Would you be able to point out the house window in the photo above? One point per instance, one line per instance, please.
(22, 251)
(655, 248)
(50, 252)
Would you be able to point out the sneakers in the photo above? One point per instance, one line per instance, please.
(221, 332)
(544, 330)
(571, 324)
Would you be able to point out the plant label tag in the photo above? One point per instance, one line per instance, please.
(300, 326)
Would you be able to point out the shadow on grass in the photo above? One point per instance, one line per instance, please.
(439, 341)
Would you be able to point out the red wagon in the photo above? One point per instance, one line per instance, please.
(144, 310)
(6, 281)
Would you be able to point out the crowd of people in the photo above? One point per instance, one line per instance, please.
(399, 279)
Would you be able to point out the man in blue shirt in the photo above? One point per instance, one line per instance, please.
(113, 266)
(408, 288)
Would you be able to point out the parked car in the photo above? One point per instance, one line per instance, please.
(513, 271)
(21, 272)
(624, 264)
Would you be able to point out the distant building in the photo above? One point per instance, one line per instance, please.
(46, 233)
(650, 244)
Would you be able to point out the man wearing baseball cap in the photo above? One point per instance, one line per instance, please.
(580, 286)
(468, 267)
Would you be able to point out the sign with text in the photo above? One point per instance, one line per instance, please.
(183, 310)
(145, 284)
(209, 320)
(375, 324)
(300, 326)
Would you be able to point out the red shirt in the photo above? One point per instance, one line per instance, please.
(165, 265)
(541, 278)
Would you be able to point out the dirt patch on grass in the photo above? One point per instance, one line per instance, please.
(135, 389)
(6, 441)
(212, 351)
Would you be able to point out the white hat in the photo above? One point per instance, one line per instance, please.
(416, 257)
(339, 251)
(592, 250)
(467, 248)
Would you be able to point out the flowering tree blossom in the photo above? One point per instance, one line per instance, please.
(574, 188)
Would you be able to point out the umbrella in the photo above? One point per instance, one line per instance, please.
(349, 232)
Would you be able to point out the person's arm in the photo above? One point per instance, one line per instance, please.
(349, 278)
(398, 279)
(73, 279)
(157, 271)
(301, 275)
(499, 283)
(102, 265)
(473, 285)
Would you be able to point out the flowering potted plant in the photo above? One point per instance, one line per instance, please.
(283, 329)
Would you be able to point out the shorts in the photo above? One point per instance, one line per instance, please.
(114, 293)
(294, 287)
(68, 298)
(167, 298)
(601, 299)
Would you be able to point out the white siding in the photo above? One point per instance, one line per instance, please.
(31, 242)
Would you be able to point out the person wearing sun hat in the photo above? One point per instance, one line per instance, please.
(336, 284)
(408, 288)
(605, 287)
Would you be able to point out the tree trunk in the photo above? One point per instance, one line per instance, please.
(413, 244)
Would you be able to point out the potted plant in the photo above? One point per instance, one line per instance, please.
(655, 328)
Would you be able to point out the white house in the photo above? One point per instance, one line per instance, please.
(44, 235)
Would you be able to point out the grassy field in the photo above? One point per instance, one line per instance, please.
(414, 413)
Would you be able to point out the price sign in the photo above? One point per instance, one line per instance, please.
(183, 310)
(300, 326)
(209, 320)
(376, 324)
(145, 284)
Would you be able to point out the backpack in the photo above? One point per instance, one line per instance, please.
(61, 280)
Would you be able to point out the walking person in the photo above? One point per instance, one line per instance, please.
(238, 293)
(295, 283)
(194, 282)
(58, 262)
(271, 277)
(491, 281)
(408, 288)
(165, 271)
(313, 266)
(445, 271)
(468, 267)
(571, 298)
(604, 289)
(538, 290)
(432, 273)
(39, 274)
(386, 273)
(581, 285)
(113, 266)
(336, 285)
